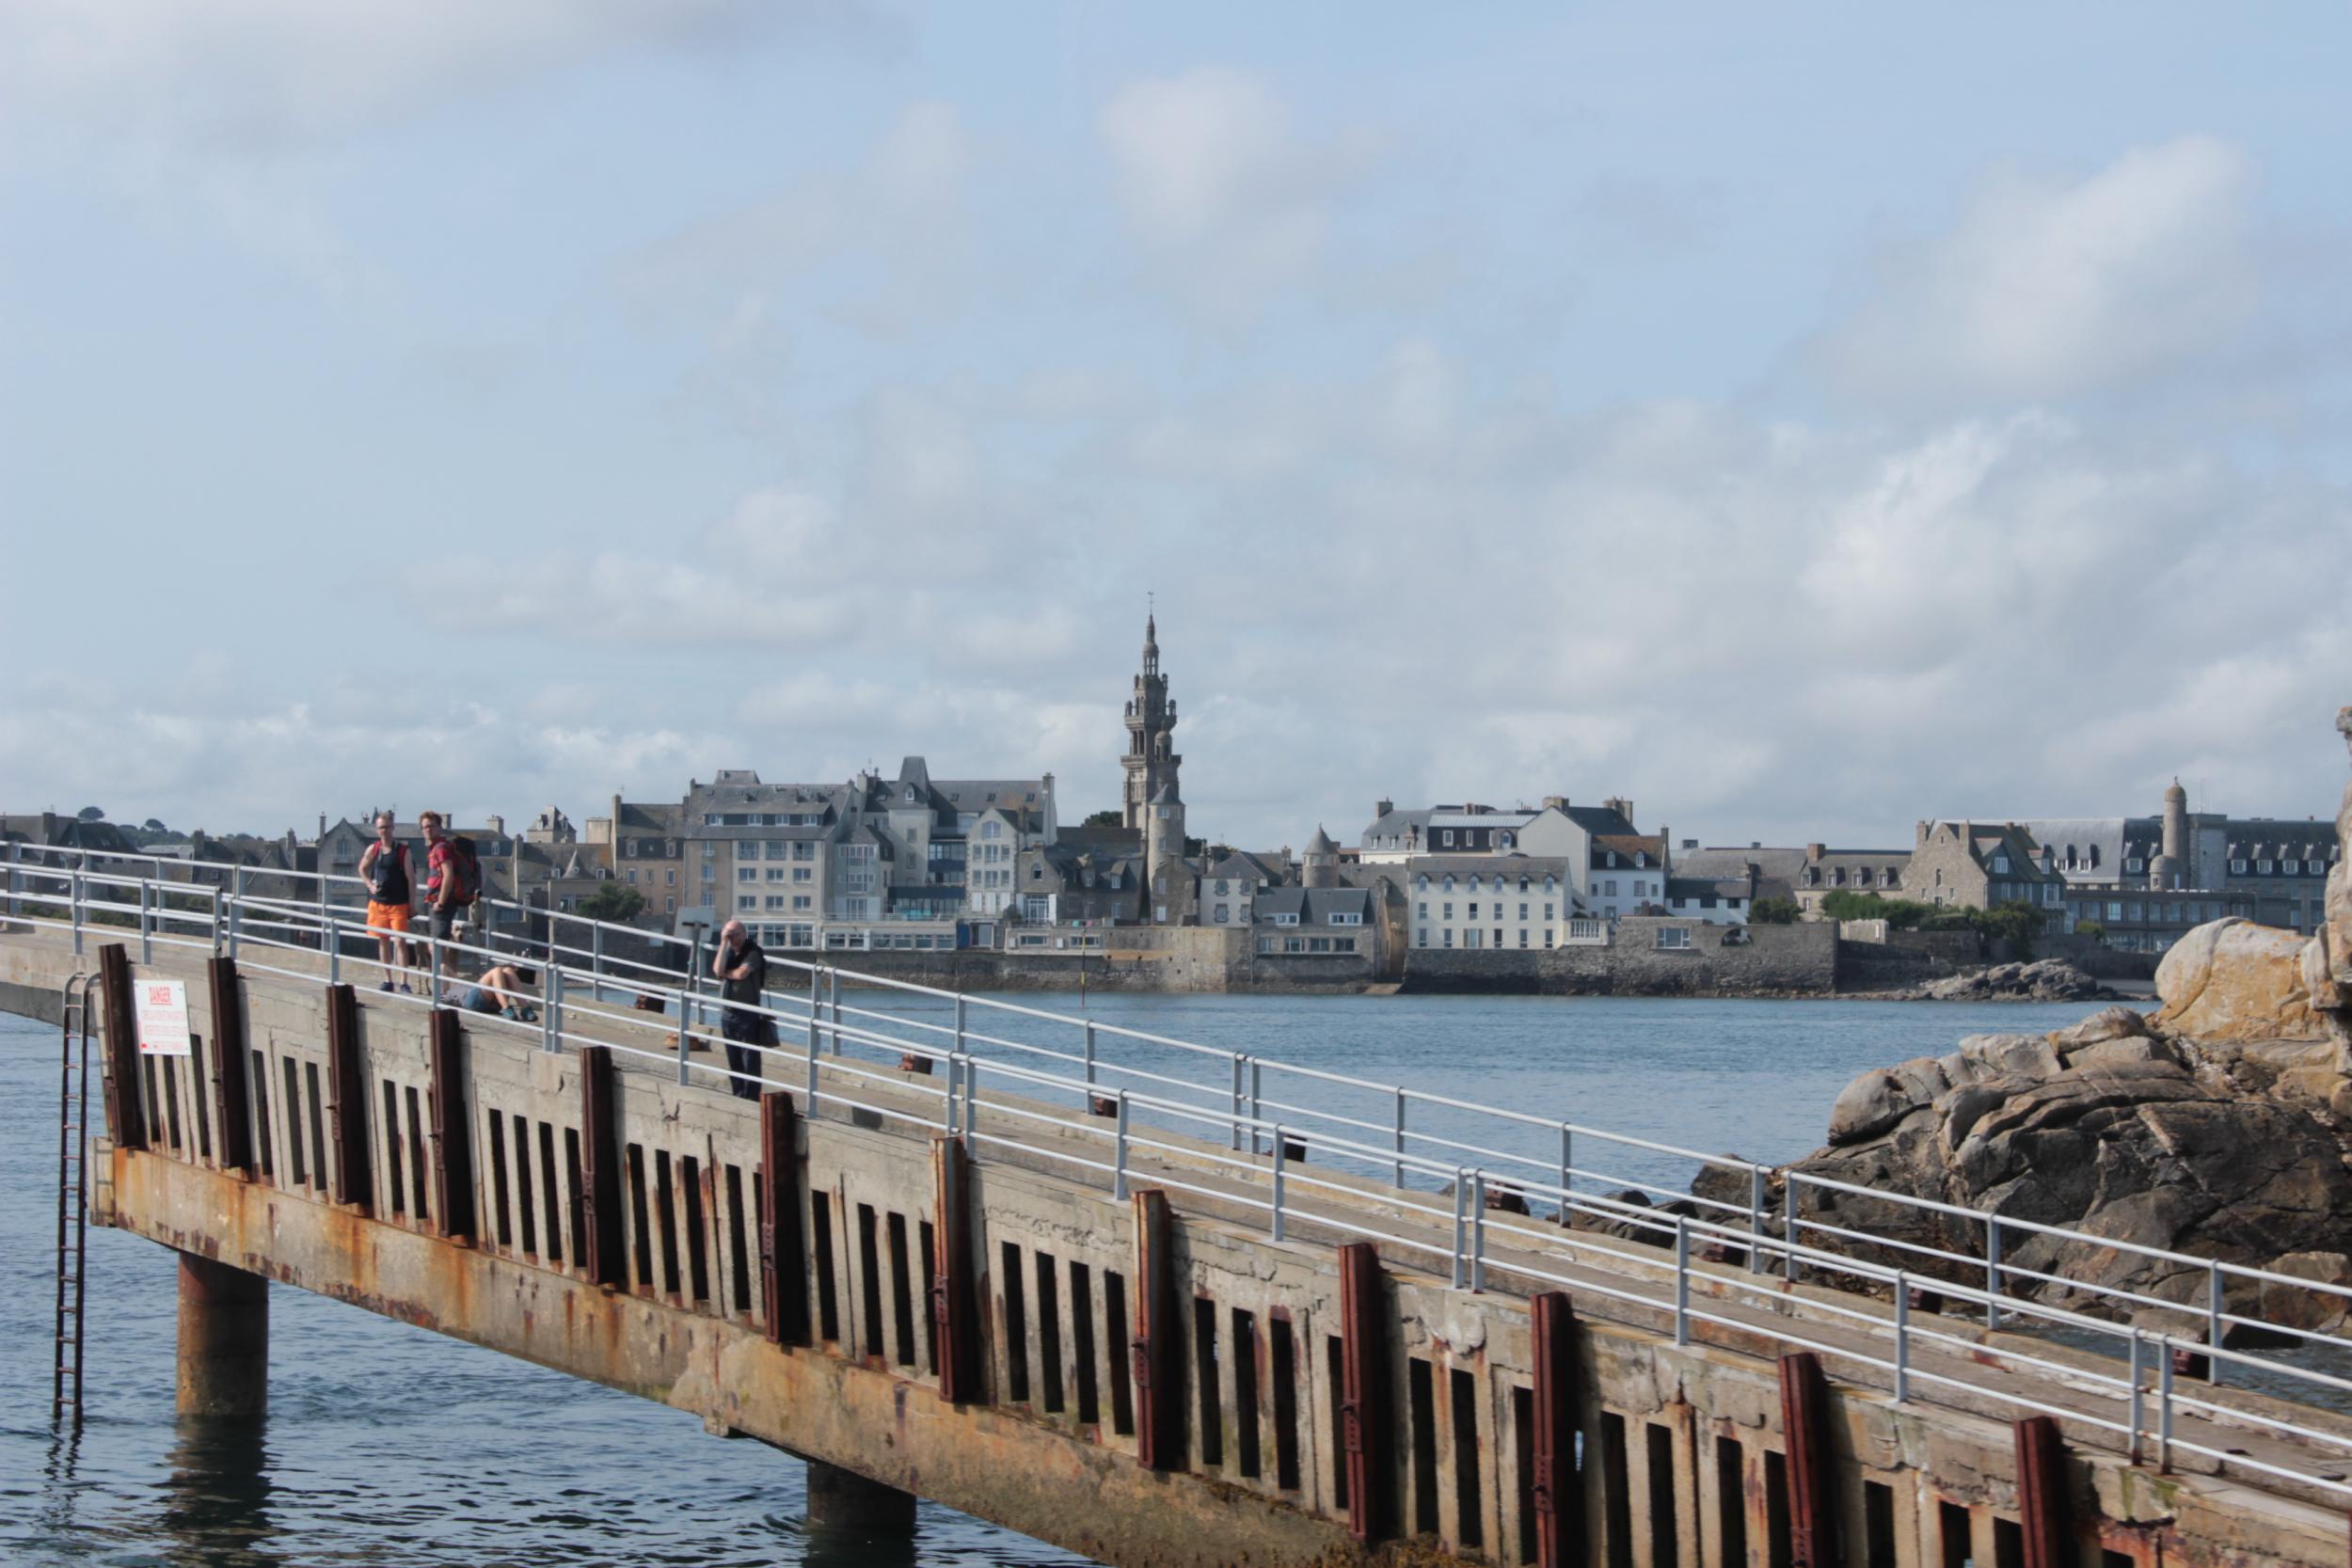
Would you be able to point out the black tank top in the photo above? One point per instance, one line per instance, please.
(387, 874)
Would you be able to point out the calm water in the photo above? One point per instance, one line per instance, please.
(389, 1443)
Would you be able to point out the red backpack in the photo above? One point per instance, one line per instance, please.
(464, 868)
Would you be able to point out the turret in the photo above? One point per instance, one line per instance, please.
(1321, 865)
(2170, 868)
(1170, 879)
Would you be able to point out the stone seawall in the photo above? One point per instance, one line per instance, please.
(1721, 960)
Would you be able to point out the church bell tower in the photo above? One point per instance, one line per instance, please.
(1151, 761)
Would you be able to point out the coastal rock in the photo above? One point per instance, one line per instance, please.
(2044, 980)
(2318, 1311)
(2233, 980)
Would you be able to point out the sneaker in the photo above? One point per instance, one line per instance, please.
(386, 985)
(406, 991)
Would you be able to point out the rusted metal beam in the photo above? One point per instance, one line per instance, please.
(231, 1096)
(452, 1129)
(1804, 1435)
(600, 1169)
(1558, 1490)
(347, 1102)
(1158, 1348)
(1368, 1435)
(783, 1260)
(2045, 1509)
(126, 1117)
(955, 1283)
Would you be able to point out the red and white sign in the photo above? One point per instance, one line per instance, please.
(163, 1009)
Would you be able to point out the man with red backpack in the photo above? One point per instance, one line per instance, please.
(453, 876)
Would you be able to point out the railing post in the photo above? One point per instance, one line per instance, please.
(2137, 1399)
(1902, 1338)
(959, 1021)
(146, 931)
(1792, 1197)
(1568, 1170)
(1399, 1138)
(971, 1094)
(1279, 1164)
(833, 994)
(812, 1071)
(1478, 1230)
(1257, 1101)
(1089, 1058)
(685, 1043)
(433, 951)
(1755, 1219)
(1118, 1157)
(595, 953)
(2164, 1408)
(1992, 1270)
(236, 907)
(553, 1010)
(1682, 1280)
(2214, 1307)
(332, 941)
(1238, 1060)
(1461, 1227)
(77, 912)
(547, 1013)
(217, 934)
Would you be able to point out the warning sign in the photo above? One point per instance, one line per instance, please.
(162, 1008)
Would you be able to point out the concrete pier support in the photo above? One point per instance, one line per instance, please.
(845, 1503)
(224, 1339)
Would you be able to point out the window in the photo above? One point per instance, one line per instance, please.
(1547, 912)
(1285, 918)
(1421, 937)
(1612, 858)
(1609, 889)
(1448, 837)
(800, 902)
(1424, 884)
(2262, 866)
(1421, 910)
(1473, 887)
(1522, 936)
(747, 873)
(2237, 868)
(1348, 920)
(1674, 936)
(673, 881)
(1473, 911)
(1449, 911)
(1547, 936)
(1449, 882)
(992, 829)
(775, 874)
(1522, 912)
(2291, 868)
(2000, 864)
(632, 876)
(749, 901)
(2131, 863)
(1548, 886)
(1449, 936)
(1220, 915)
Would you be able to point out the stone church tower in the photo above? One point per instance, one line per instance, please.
(2170, 866)
(1151, 761)
(1169, 874)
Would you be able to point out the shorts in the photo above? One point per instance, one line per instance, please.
(386, 917)
(444, 922)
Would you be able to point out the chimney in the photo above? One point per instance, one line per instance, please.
(1756, 843)
(1555, 802)
(1622, 806)
(1382, 807)
(498, 826)
(1690, 844)
(1813, 852)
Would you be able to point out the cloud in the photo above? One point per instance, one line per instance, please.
(257, 75)
(1230, 203)
(2046, 289)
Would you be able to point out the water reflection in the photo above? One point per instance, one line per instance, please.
(216, 1502)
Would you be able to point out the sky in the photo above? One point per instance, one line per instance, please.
(1801, 421)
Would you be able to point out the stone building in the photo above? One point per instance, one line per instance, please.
(1173, 896)
(1487, 902)
(1980, 866)
(646, 850)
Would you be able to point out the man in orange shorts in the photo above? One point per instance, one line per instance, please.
(384, 868)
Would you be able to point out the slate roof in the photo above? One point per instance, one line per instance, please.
(1314, 906)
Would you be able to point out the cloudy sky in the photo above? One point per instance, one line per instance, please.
(1799, 420)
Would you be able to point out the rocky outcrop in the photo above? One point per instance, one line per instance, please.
(2327, 959)
(2111, 1127)
(2234, 980)
(2047, 980)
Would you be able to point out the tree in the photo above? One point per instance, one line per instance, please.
(2095, 929)
(1105, 819)
(1904, 914)
(614, 901)
(1771, 911)
(91, 814)
(154, 825)
(2015, 922)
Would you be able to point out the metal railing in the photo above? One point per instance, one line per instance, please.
(1113, 1104)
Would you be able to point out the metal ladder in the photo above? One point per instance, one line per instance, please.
(73, 1195)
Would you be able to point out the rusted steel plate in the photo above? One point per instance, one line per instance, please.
(1159, 1342)
(347, 1102)
(1368, 1435)
(231, 1096)
(126, 1117)
(600, 1168)
(452, 1129)
(783, 1260)
(1558, 1490)
(955, 1284)
(1804, 1434)
(2043, 1503)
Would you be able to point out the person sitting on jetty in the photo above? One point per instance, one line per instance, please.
(501, 991)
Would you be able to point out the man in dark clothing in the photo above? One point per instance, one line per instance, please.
(741, 969)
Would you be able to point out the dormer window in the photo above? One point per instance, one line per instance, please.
(2291, 868)
(1613, 860)
(1448, 838)
(1449, 882)
(1424, 881)
(2000, 864)
(1641, 856)
(2262, 866)
(2132, 864)
(2237, 867)
(1502, 840)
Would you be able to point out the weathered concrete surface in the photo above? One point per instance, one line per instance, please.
(223, 1367)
